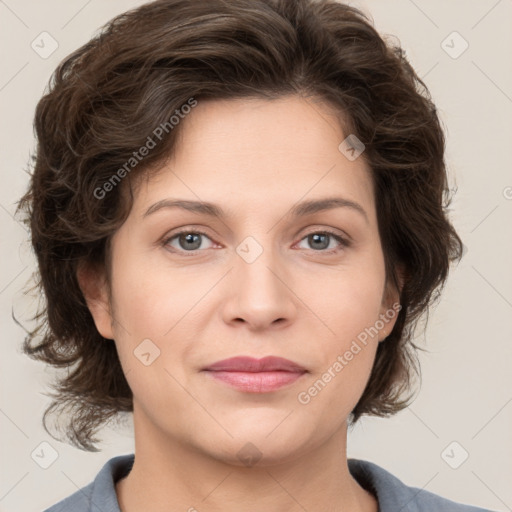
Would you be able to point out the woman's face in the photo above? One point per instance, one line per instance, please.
(257, 283)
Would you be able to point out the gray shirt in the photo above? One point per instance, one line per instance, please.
(391, 493)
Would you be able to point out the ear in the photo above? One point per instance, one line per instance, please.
(390, 306)
(93, 284)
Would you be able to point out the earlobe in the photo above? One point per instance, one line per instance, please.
(94, 289)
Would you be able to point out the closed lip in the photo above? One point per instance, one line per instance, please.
(252, 365)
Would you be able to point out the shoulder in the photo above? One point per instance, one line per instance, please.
(392, 494)
(100, 494)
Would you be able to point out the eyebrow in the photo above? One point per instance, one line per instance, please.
(299, 210)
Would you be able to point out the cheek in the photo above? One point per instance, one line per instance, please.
(347, 303)
(337, 383)
(348, 307)
(150, 299)
(158, 313)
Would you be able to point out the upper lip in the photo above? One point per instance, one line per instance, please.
(250, 364)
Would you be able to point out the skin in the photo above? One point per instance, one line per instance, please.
(256, 159)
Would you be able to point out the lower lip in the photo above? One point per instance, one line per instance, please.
(256, 382)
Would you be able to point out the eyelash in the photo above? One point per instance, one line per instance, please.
(344, 243)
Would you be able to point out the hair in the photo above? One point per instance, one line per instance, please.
(120, 90)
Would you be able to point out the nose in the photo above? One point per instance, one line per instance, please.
(260, 292)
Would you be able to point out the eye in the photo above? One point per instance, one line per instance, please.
(191, 241)
(188, 241)
(320, 240)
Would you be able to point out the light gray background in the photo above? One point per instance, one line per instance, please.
(466, 394)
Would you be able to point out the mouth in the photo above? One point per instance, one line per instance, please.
(256, 375)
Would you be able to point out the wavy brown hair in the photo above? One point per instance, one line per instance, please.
(105, 99)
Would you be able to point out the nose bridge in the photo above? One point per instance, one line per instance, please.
(257, 264)
(259, 289)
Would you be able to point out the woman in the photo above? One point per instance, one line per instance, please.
(190, 159)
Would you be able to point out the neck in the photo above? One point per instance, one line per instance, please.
(169, 473)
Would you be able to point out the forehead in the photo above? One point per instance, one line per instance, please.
(252, 153)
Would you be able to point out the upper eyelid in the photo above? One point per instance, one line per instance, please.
(333, 231)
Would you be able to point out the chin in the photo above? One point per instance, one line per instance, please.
(257, 448)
